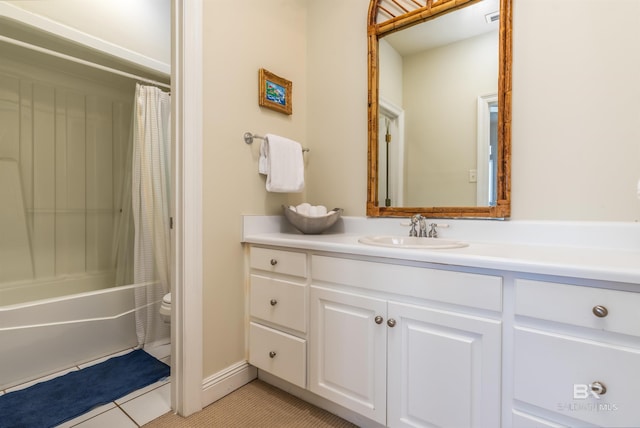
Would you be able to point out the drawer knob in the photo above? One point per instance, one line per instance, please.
(599, 388)
(391, 322)
(273, 262)
(272, 354)
(378, 319)
(273, 302)
(600, 311)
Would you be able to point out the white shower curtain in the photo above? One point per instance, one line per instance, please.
(150, 199)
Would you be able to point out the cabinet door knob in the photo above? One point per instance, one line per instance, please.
(273, 262)
(273, 302)
(378, 319)
(599, 388)
(600, 311)
(391, 322)
(272, 354)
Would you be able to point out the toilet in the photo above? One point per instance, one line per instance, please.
(165, 308)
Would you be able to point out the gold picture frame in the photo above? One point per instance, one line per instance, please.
(275, 92)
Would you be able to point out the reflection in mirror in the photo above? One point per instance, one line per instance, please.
(437, 133)
(486, 174)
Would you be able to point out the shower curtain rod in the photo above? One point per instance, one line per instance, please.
(82, 61)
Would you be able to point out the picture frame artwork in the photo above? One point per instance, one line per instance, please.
(275, 92)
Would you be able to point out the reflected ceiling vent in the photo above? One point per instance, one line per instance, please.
(492, 17)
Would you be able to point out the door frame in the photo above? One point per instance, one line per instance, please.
(483, 143)
(187, 124)
(395, 113)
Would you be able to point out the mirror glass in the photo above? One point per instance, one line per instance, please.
(437, 123)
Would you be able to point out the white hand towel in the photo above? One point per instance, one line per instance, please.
(262, 161)
(285, 165)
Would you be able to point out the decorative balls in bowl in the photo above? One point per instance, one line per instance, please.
(311, 220)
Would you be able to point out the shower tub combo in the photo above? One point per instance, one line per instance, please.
(65, 153)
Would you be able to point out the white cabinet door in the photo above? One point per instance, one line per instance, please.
(348, 351)
(590, 381)
(443, 368)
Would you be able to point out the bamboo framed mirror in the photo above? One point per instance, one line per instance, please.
(439, 122)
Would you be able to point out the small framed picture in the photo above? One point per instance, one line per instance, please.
(275, 92)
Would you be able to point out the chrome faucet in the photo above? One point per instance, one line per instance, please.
(421, 222)
(419, 227)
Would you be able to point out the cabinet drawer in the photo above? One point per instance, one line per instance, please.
(576, 305)
(554, 372)
(278, 261)
(468, 289)
(278, 353)
(278, 301)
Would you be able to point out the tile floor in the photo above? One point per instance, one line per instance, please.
(130, 411)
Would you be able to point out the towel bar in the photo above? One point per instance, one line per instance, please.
(248, 139)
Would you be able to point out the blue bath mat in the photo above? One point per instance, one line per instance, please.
(50, 403)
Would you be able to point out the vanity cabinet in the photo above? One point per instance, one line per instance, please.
(403, 361)
(278, 313)
(576, 354)
(416, 344)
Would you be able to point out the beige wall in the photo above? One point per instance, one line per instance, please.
(337, 100)
(576, 110)
(390, 72)
(441, 87)
(253, 34)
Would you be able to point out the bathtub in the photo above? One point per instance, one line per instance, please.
(48, 335)
(19, 292)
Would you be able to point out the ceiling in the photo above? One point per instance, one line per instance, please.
(446, 29)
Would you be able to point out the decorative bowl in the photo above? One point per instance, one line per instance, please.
(312, 225)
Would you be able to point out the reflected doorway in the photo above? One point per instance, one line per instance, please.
(390, 155)
(487, 138)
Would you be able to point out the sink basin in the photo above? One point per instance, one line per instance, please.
(411, 242)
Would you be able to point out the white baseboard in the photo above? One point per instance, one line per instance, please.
(226, 381)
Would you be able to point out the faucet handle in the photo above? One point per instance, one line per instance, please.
(440, 225)
(415, 219)
(433, 231)
(412, 231)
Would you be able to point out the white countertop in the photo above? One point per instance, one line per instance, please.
(614, 258)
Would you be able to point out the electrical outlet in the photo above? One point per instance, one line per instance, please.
(473, 176)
